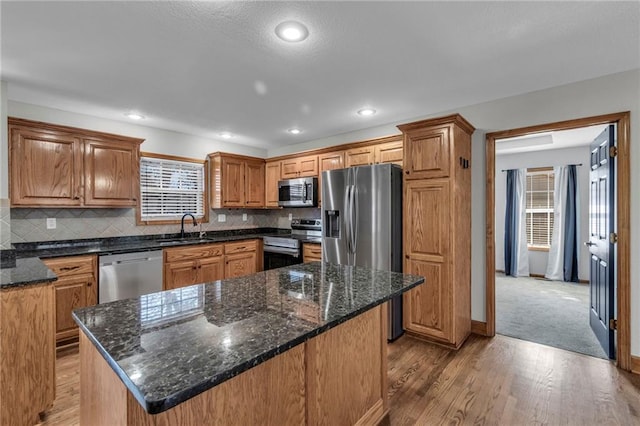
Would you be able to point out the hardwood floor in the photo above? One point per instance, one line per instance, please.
(502, 381)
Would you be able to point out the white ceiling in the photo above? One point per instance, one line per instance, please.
(549, 140)
(207, 67)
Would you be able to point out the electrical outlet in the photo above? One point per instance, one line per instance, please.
(222, 217)
(290, 216)
(51, 223)
(244, 217)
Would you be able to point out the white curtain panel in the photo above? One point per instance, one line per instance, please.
(555, 263)
(521, 225)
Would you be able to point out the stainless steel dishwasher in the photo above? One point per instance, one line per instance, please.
(127, 275)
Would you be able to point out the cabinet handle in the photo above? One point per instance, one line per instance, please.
(135, 199)
(76, 197)
(69, 268)
(407, 256)
(407, 171)
(89, 284)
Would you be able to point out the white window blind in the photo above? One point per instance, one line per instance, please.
(540, 207)
(170, 188)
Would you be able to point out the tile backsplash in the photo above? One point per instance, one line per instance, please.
(28, 225)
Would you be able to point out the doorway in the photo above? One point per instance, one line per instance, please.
(622, 192)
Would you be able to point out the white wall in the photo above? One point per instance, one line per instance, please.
(548, 158)
(604, 95)
(156, 140)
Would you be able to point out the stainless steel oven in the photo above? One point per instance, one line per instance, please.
(301, 192)
(286, 250)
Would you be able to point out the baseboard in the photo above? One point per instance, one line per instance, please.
(635, 364)
(537, 275)
(479, 327)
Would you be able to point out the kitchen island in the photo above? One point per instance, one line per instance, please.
(304, 344)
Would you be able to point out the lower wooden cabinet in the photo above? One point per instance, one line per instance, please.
(27, 353)
(75, 288)
(311, 252)
(184, 266)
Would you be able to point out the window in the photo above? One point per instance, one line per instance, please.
(539, 207)
(171, 188)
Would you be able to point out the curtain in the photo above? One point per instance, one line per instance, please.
(563, 261)
(516, 255)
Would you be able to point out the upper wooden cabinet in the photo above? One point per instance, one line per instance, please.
(328, 161)
(387, 150)
(428, 151)
(271, 178)
(437, 225)
(299, 167)
(236, 181)
(67, 167)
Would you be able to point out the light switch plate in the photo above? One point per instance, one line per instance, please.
(290, 216)
(51, 223)
(244, 217)
(222, 217)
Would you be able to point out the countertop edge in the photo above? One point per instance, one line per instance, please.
(159, 406)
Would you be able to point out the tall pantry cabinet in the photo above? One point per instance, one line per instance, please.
(437, 228)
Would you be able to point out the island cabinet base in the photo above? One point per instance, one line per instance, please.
(336, 378)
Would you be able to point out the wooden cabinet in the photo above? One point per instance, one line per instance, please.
(202, 263)
(272, 177)
(184, 266)
(304, 166)
(328, 161)
(27, 353)
(62, 166)
(362, 156)
(390, 152)
(75, 288)
(311, 252)
(437, 225)
(242, 258)
(236, 181)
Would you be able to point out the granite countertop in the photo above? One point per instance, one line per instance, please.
(170, 346)
(115, 245)
(26, 272)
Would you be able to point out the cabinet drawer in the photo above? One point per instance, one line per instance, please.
(68, 266)
(311, 252)
(241, 246)
(193, 252)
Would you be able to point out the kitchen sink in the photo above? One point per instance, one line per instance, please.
(174, 241)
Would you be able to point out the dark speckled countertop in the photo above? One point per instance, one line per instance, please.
(26, 272)
(170, 346)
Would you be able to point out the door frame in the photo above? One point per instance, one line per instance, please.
(623, 218)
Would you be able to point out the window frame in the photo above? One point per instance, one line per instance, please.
(205, 199)
(548, 171)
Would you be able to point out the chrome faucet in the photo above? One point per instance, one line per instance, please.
(195, 223)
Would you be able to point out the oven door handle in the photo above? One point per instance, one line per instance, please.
(282, 250)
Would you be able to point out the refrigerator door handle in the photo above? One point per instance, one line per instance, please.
(351, 220)
(347, 217)
(354, 221)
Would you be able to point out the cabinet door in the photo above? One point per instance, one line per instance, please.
(254, 184)
(180, 274)
(390, 152)
(428, 309)
(308, 166)
(46, 168)
(211, 269)
(290, 168)
(328, 161)
(359, 156)
(72, 292)
(427, 153)
(272, 176)
(240, 264)
(111, 176)
(232, 182)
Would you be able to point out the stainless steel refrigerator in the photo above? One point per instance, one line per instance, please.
(362, 223)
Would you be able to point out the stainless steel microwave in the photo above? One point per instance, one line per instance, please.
(300, 192)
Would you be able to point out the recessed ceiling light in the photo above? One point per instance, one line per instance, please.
(294, 131)
(292, 31)
(134, 116)
(226, 135)
(366, 111)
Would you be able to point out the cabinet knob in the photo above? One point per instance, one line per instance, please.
(407, 256)
(407, 171)
(89, 284)
(76, 197)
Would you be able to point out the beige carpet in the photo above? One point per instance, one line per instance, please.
(553, 313)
